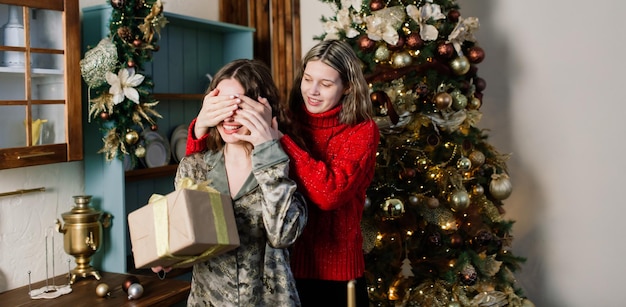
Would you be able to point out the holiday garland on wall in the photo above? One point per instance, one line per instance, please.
(433, 226)
(120, 100)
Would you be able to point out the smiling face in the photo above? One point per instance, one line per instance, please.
(229, 126)
(321, 87)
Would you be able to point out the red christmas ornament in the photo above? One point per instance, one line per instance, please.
(376, 5)
(453, 15)
(137, 42)
(445, 50)
(104, 115)
(399, 44)
(475, 54)
(366, 44)
(131, 279)
(414, 41)
(154, 127)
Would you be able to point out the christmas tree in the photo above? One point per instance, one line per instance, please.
(434, 227)
(120, 99)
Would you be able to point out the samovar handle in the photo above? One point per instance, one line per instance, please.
(106, 220)
(60, 227)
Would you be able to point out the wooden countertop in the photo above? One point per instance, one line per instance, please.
(156, 292)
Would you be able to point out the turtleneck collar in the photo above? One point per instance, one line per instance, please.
(326, 119)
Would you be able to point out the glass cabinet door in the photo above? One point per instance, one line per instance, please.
(35, 45)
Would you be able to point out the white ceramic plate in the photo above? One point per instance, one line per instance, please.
(128, 163)
(157, 153)
(180, 148)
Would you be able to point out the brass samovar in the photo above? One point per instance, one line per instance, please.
(82, 234)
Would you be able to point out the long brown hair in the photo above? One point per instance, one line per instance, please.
(356, 104)
(256, 79)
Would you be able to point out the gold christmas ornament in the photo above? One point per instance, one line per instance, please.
(443, 100)
(464, 164)
(382, 53)
(477, 158)
(459, 101)
(393, 208)
(459, 200)
(460, 65)
(478, 190)
(474, 103)
(401, 59)
(131, 137)
(102, 290)
(140, 151)
(500, 186)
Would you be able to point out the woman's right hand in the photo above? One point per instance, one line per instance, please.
(214, 110)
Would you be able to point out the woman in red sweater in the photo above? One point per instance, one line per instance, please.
(331, 138)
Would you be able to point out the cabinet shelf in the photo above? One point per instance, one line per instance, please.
(147, 173)
(36, 72)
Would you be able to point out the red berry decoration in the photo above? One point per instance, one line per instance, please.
(130, 63)
(137, 43)
(154, 127)
(104, 115)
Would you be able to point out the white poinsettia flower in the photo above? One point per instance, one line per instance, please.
(384, 24)
(344, 21)
(422, 15)
(463, 31)
(355, 4)
(123, 85)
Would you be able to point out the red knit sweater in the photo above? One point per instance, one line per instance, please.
(333, 176)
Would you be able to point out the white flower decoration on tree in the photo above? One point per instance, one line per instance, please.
(384, 24)
(343, 21)
(123, 85)
(422, 15)
(463, 31)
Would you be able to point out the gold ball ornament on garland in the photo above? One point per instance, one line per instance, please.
(460, 65)
(459, 200)
(443, 100)
(474, 103)
(459, 101)
(477, 158)
(478, 190)
(392, 208)
(131, 137)
(500, 186)
(140, 151)
(382, 54)
(464, 164)
(401, 59)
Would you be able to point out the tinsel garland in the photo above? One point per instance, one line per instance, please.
(120, 100)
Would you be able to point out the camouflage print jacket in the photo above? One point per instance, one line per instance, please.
(270, 216)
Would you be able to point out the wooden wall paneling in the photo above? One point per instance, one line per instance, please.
(277, 36)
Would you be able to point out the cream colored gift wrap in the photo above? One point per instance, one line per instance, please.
(187, 226)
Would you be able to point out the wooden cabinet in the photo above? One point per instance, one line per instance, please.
(189, 50)
(40, 92)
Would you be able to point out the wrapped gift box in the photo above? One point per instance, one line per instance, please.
(187, 226)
